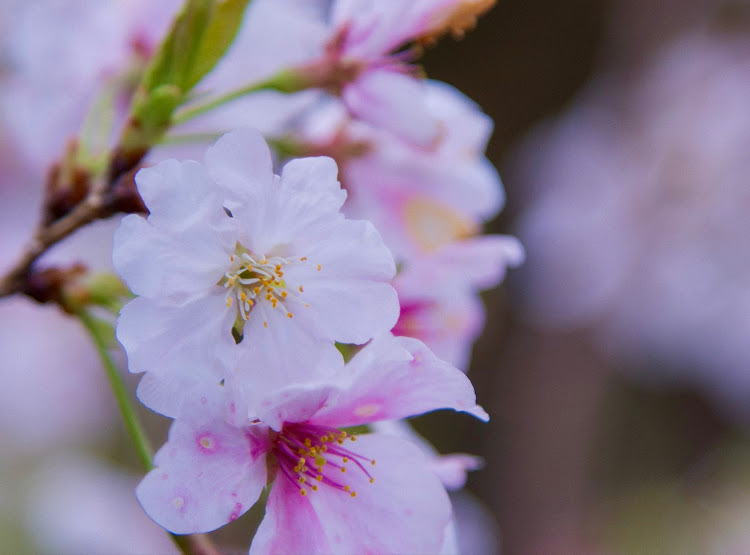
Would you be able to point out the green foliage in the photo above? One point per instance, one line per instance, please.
(197, 40)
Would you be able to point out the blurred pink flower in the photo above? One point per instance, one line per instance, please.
(80, 505)
(419, 198)
(439, 293)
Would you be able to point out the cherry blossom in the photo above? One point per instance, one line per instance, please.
(359, 50)
(333, 491)
(451, 469)
(439, 297)
(247, 276)
(420, 198)
(365, 49)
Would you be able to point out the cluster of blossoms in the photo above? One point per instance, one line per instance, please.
(251, 284)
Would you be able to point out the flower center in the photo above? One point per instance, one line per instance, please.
(252, 279)
(311, 456)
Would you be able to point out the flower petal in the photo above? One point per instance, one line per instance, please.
(179, 195)
(293, 404)
(240, 163)
(405, 509)
(277, 352)
(165, 338)
(394, 378)
(290, 524)
(395, 102)
(207, 474)
(317, 175)
(157, 264)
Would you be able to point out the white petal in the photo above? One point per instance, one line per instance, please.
(240, 163)
(162, 338)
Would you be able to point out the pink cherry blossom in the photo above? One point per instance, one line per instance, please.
(439, 297)
(81, 505)
(332, 491)
(420, 198)
(230, 245)
(365, 43)
(451, 469)
(353, 48)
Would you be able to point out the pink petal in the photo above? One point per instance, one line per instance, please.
(290, 524)
(448, 322)
(350, 299)
(405, 510)
(394, 378)
(293, 404)
(207, 474)
(481, 261)
(395, 102)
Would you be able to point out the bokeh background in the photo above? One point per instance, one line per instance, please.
(615, 363)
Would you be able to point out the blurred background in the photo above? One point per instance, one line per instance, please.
(615, 363)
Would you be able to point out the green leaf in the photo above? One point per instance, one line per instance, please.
(173, 61)
(198, 38)
(222, 28)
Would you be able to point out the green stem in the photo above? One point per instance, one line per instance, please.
(284, 81)
(127, 410)
(196, 544)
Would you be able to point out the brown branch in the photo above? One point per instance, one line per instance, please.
(195, 544)
(103, 200)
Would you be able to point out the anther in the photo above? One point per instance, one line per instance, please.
(303, 492)
(289, 314)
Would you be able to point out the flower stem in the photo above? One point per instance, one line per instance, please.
(191, 544)
(284, 81)
(127, 410)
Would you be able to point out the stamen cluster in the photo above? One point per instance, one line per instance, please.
(312, 455)
(249, 280)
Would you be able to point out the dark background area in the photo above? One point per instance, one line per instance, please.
(578, 457)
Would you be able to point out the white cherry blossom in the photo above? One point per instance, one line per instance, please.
(246, 276)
